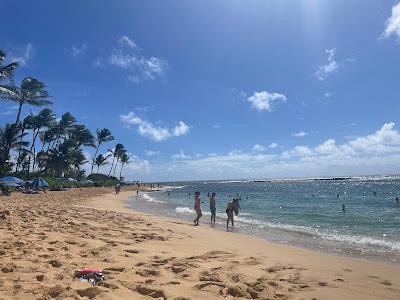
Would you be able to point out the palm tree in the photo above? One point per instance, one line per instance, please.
(100, 161)
(31, 91)
(82, 136)
(10, 138)
(103, 136)
(7, 70)
(45, 118)
(115, 153)
(62, 129)
(124, 160)
(119, 153)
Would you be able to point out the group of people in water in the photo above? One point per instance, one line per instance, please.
(232, 208)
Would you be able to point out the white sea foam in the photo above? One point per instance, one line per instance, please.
(148, 198)
(184, 210)
(330, 236)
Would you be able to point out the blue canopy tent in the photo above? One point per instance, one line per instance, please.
(39, 183)
(11, 180)
(9, 184)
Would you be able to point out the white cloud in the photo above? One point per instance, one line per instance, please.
(152, 153)
(273, 146)
(78, 52)
(393, 23)
(264, 101)
(129, 57)
(299, 134)
(149, 130)
(331, 65)
(258, 148)
(180, 155)
(180, 129)
(137, 169)
(126, 41)
(378, 152)
(22, 55)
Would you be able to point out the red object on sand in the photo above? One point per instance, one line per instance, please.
(89, 270)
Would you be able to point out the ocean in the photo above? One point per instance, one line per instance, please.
(300, 212)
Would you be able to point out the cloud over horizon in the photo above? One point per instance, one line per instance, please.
(362, 155)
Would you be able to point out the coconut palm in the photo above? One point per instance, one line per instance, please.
(10, 139)
(100, 161)
(7, 70)
(103, 136)
(82, 136)
(31, 91)
(45, 119)
(62, 129)
(119, 154)
(124, 159)
(116, 152)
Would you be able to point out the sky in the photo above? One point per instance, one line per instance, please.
(238, 89)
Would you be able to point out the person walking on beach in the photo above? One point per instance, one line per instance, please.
(213, 209)
(197, 208)
(229, 212)
(117, 188)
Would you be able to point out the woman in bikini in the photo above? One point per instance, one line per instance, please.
(197, 208)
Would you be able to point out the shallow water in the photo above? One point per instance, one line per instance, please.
(286, 211)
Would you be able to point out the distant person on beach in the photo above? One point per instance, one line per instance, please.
(117, 188)
(397, 200)
(197, 208)
(343, 208)
(213, 208)
(229, 213)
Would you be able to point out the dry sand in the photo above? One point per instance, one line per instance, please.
(45, 238)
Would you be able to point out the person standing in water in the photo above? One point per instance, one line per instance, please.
(197, 208)
(213, 209)
(229, 212)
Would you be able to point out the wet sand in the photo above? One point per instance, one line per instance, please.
(45, 238)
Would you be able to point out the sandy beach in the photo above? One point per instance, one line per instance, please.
(45, 238)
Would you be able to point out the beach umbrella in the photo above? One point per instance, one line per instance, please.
(39, 183)
(10, 179)
(9, 184)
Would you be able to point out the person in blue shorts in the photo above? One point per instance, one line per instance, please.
(213, 209)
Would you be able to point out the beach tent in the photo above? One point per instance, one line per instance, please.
(10, 180)
(39, 183)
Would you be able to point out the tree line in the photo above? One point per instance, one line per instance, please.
(42, 144)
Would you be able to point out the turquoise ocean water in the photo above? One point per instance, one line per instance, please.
(286, 211)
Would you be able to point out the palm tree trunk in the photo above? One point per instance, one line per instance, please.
(116, 163)
(19, 113)
(94, 158)
(120, 172)
(98, 167)
(109, 173)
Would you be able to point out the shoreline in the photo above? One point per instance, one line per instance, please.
(206, 225)
(220, 226)
(145, 257)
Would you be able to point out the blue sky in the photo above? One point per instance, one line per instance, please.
(221, 89)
